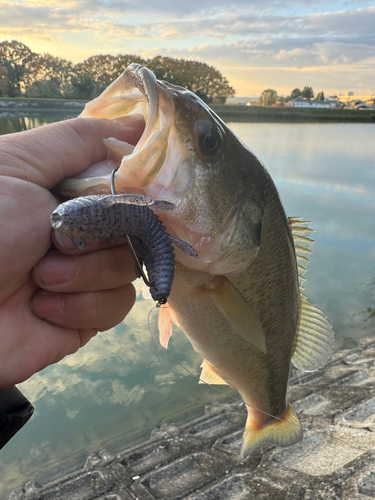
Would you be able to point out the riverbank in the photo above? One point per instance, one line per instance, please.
(226, 112)
(289, 114)
(201, 460)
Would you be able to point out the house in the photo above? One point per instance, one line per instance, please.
(298, 102)
(320, 104)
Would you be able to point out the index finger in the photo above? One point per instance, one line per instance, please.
(50, 153)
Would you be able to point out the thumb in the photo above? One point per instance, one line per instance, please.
(50, 153)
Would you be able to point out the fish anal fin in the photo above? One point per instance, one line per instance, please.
(209, 375)
(165, 324)
(315, 338)
(238, 312)
(281, 432)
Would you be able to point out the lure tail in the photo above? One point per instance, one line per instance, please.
(281, 432)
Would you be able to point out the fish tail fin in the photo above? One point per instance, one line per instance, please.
(282, 432)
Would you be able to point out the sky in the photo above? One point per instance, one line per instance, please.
(326, 44)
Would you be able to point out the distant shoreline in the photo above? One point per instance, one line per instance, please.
(289, 114)
(226, 112)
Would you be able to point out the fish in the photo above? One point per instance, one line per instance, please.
(241, 303)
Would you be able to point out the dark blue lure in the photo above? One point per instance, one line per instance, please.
(121, 215)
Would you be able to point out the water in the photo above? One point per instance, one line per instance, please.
(120, 386)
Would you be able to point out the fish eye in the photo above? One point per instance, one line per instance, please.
(209, 140)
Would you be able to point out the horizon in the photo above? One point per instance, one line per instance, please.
(327, 45)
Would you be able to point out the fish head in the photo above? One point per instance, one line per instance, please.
(189, 157)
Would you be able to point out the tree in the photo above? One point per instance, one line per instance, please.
(43, 88)
(83, 87)
(103, 69)
(307, 92)
(3, 80)
(295, 93)
(16, 57)
(47, 76)
(205, 81)
(320, 96)
(267, 97)
(51, 77)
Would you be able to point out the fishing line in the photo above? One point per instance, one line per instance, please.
(160, 348)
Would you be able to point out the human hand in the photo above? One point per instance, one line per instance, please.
(52, 301)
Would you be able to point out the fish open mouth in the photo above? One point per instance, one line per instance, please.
(136, 91)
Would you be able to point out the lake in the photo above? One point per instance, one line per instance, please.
(112, 393)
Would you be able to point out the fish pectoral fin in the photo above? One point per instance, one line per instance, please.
(315, 338)
(209, 376)
(165, 324)
(238, 312)
(281, 432)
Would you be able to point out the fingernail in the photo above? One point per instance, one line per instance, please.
(46, 305)
(56, 269)
(63, 241)
(130, 120)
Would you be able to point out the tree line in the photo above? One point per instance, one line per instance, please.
(269, 96)
(26, 73)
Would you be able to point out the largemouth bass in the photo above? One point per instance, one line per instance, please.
(240, 303)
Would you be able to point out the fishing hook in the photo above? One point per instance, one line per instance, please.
(138, 264)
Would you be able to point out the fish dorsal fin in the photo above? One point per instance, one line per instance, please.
(302, 243)
(209, 376)
(238, 312)
(315, 338)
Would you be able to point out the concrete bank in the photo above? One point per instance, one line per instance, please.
(22, 106)
(200, 460)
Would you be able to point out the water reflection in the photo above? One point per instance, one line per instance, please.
(10, 123)
(325, 173)
(113, 392)
(110, 394)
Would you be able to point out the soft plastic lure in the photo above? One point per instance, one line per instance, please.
(117, 216)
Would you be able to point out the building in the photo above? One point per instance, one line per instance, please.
(298, 102)
(356, 96)
(301, 102)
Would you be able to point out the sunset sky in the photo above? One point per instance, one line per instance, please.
(326, 44)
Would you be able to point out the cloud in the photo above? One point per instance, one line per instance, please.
(247, 41)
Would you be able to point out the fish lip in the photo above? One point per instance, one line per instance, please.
(144, 80)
